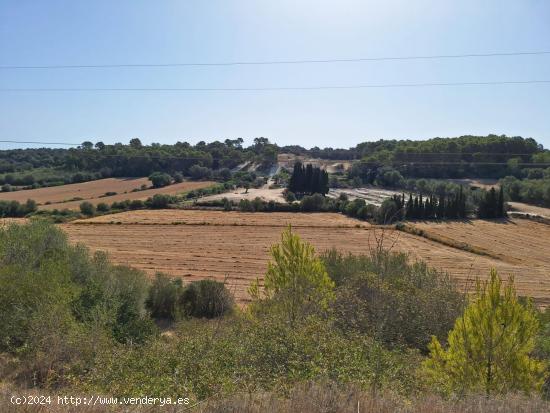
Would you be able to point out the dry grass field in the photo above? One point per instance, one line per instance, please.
(530, 209)
(514, 241)
(221, 218)
(235, 246)
(85, 190)
(94, 191)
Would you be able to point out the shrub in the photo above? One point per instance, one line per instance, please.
(159, 201)
(206, 298)
(160, 179)
(178, 177)
(87, 208)
(224, 174)
(383, 295)
(200, 172)
(121, 205)
(289, 196)
(6, 188)
(245, 205)
(164, 298)
(312, 203)
(136, 204)
(227, 206)
(388, 212)
(103, 207)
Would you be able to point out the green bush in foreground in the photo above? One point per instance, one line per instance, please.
(53, 294)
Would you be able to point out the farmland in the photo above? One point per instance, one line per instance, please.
(235, 246)
(70, 196)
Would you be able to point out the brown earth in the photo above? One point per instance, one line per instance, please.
(235, 246)
(204, 217)
(529, 209)
(511, 240)
(93, 191)
(85, 190)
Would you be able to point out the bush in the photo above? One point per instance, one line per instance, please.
(159, 201)
(13, 209)
(227, 206)
(224, 174)
(178, 177)
(200, 172)
(289, 196)
(6, 188)
(103, 207)
(388, 212)
(246, 206)
(164, 298)
(160, 179)
(136, 204)
(87, 208)
(206, 298)
(312, 203)
(385, 296)
(50, 290)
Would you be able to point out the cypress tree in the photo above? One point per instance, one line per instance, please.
(500, 207)
(308, 178)
(324, 182)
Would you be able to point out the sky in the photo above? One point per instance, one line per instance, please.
(77, 32)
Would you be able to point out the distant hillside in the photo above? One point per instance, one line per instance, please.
(466, 156)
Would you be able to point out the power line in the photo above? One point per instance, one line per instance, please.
(42, 143)
(268, 89)
(276, 62)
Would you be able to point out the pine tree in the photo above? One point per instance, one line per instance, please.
(490, 346)
(296, 279)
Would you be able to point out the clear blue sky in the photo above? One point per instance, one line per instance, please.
(165, 31)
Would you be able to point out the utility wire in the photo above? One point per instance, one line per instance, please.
(268, 89)
(42, 143)
(276, 62)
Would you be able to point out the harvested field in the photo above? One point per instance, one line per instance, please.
(233, 218)
(510, 240)
(94, 191)
(85, 190)
(236, 245)
(371, 195)
(530, 209)
(263, 193)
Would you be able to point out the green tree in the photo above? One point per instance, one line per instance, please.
(490, 346)
(296, 279)
(160, 179)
